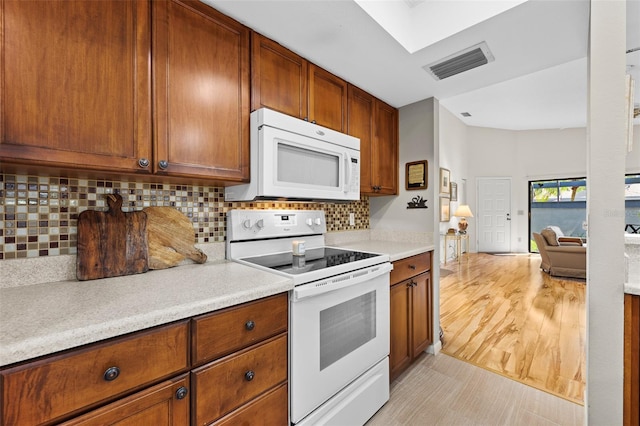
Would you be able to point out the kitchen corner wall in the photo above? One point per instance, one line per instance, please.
(39, 213)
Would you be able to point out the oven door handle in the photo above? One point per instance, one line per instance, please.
(340, 281)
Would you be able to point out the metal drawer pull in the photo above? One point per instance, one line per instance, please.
(111, 374)
(249, 375)
(249, 325)
(412, 267)
(182, 392)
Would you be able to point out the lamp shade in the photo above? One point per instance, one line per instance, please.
(463, 210)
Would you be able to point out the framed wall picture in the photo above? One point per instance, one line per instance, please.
(454, 191)
(445, 214)
(445, 179)
(416, 175)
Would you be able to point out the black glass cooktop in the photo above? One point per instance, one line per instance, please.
(313, 260)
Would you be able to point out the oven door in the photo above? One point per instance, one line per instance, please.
(336, 335)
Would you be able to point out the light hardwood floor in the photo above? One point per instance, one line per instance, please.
(502, 313)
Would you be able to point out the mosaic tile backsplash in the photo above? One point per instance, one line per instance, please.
(39, 213)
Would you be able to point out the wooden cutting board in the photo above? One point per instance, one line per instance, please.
(170, 237)
(111, 243)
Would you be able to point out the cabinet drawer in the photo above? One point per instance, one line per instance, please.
(163, 404)
(267, 410)
(54, 387)
(224, 385)
(410, 267)
(223, 332)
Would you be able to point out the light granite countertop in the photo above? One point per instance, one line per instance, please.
(46, 317)
(41, 319)
(632, 252)
(395, 249)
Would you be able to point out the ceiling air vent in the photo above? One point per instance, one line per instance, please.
(465, 60)
(465, 114)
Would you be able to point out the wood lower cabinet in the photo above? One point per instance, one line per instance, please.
(631, 360)
(164, 404)
(201, 86)
(148, 377)
(76, 95)
(411, 313)
(376, 125)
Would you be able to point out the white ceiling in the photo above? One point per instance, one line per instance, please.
(537, 81)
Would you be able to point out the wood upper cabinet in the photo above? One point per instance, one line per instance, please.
(201, 86)
(286, 82)
(384, 152)
(278, 78)
(76, 84)
(376, 124)
(327, 99)
(411, 328)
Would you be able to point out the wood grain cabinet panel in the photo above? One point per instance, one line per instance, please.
(228, 330)
(164, 404)
(76, 84)
(80, 379)
(201, 86)
(278, 78)
(411, 312)
(376, 125)
(631, 403)
(327, 99)
(222, 386)
(270, 409)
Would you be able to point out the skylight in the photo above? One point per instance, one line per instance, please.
(417, 24)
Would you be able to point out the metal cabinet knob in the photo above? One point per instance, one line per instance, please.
(163, 164)
(143, 162)
(111, 374)
(249, 325)
(182, 392)
(249, 375)
(412, 267)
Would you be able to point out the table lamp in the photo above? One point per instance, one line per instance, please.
(463, 211)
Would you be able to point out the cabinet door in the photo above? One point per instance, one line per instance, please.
(631, 403)
(360, 124)
(268, 409)
(400, 345)
(421, 321)
(327, 99)
(201, 84)
(164, 404)
(75, 90)
(385, 149)
(278, 78)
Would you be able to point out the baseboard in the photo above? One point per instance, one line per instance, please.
(435, 348)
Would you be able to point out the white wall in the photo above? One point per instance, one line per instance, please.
(524, 156)
(453, 156)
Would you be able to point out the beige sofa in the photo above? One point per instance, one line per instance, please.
(561, 256)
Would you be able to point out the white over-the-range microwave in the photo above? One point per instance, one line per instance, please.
(297, 160)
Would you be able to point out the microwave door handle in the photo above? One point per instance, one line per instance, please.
(347, 166)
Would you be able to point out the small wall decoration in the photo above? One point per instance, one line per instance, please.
(444, 209)
(416, 175)
(417, 203)
(445, 188)
(454, 191)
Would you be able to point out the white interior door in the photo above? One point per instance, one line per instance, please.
(494, 214)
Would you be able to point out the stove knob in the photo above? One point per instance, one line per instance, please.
(309, 222)
(246, 224)
(260, 224)
(318, 221)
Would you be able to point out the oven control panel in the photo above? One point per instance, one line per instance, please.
(259, 224)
